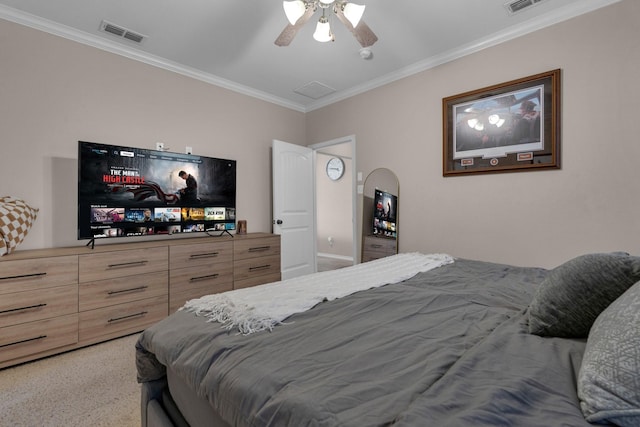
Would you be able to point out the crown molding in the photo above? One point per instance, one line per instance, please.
(540, 22)
(513, 32)
(29, 20)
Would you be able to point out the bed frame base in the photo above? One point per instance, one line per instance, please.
(157, 406)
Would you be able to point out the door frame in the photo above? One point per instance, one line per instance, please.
(350, 139)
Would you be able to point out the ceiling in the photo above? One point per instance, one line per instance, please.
(230, 43)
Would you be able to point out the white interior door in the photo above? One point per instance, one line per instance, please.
(294, 207)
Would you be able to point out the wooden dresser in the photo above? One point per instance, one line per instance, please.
(374, 247)
(199, 269)
(256, 261)
(38, 306)
(55, 300)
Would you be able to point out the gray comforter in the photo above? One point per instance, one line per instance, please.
(448, 347)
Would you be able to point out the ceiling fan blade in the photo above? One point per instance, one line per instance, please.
(286, 36)
(361, 32)
(364, 35)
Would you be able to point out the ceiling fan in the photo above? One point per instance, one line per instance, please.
(300, 11)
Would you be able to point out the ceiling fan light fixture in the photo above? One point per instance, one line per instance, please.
(353, 12)
(294, 10)
(349, 14)
(323, 31)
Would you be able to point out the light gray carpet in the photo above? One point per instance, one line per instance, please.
(94, 386)
(328, 263)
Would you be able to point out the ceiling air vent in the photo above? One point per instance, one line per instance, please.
(314, 90)
(119, 31)
(516, 6)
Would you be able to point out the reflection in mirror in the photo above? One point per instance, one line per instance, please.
(380, 215)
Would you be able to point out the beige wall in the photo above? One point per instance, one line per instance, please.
(531, 218)
(54, 92)
(334, 213)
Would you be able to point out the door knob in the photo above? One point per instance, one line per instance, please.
(278, 221)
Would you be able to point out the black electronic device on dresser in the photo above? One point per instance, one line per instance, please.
(385, 210)
(127, 191)
(380, 237)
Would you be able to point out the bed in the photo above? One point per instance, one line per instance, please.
(458, 344)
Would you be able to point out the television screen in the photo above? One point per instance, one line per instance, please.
(385, 210)
(125, 191)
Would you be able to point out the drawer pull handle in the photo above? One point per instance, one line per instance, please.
(376, 246)
(127, 264)
(205, 255)
(139, 288)
(11, 310)
(260, 248)
(23, 341)
(209, 276)
(260, 267)
(24, 276)
(117, 319)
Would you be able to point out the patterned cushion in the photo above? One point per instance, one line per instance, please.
(609, 378)
(573, 294)
(16, 219)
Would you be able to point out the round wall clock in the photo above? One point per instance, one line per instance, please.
(335, 168)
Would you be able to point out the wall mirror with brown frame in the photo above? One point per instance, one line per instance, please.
(380, 214)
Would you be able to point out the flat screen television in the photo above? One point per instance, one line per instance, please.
(126, 191)
(385, 211)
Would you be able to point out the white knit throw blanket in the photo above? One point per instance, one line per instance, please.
(262, 307)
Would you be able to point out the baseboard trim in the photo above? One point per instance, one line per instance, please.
(334, 256)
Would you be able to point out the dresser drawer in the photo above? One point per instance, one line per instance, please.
(29, 306)
(379, 244)
(109, 265)
(378, 247)
(103, 293)
(216, 253)
(188, 277)
(259, 247)
(257, 280)
(252, 268)
(189, 283)
(118, 320)
(34, 337)
(38, 273)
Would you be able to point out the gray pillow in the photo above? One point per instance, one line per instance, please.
(609, 378)
(573, 294)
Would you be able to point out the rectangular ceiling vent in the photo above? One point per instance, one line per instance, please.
(314, 90)
(516, 6)
(117, 30)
